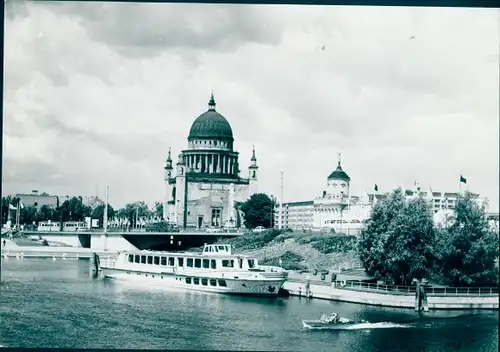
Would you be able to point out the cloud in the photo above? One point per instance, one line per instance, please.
(95, 94)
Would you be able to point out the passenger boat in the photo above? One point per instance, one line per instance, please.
(215, 269)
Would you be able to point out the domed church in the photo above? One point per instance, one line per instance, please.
(207, 186)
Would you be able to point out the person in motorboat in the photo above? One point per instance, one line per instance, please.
(334, 319)
(330, 319)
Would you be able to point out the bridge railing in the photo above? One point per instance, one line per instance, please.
(405, 290)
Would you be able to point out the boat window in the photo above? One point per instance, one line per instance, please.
(196, 281)
(197, 263)
(222, 283)
(221, 248)
(240, 262)
(164, 261)
(137, 258)
(150, 259)
(206, 263)
(188, 280)
(204, 282)
(226, 248)
(130, 258)
(157, 260)
(143, 259)
(180, 262)
(213, 264)
(228, 263)
(213, 282)
(216, 249)
(251, 263)
(171, 261)
(190, 262)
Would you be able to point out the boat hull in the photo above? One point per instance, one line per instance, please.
(262, 288)
(318, 324)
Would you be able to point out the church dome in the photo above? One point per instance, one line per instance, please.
(211, 125)
(339, 174)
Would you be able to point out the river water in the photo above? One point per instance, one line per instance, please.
(46, 303)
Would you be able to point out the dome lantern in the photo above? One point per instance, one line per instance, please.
(338, 173)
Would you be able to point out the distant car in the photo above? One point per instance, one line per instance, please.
(259, 229)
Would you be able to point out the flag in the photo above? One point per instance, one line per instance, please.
(376, 188)
(463, 179)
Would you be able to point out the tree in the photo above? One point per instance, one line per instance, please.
(469, 247)
(5, 208)
(74, 210)
(46, 213)
(133, 210)
(98, 213)
(397, 242)
(158, 210)
(258, 210)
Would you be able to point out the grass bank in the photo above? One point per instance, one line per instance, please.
(298, 250)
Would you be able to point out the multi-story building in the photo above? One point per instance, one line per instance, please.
(337, 210)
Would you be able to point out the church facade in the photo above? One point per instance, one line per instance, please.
(205, 186)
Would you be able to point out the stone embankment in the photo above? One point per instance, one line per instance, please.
(382, 296)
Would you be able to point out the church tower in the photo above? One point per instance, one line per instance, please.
(253, 176)
(168, 187)
(180, 186)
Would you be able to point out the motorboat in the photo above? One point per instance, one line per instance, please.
(330, 322)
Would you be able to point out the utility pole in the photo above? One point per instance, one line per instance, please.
(105, 219)
(280, 226)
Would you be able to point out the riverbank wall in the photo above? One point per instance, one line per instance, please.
(331, 291)
(51, 252)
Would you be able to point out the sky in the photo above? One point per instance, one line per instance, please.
(96, 93)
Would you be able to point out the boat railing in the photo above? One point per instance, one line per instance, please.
(107, 261)
(273, 269)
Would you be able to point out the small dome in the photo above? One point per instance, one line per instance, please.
(211, 125)
(339, 174)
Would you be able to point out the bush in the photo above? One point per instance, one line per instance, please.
(254, 240)
(335, 244)
(289, 261)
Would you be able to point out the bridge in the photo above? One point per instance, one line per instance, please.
(128, 240)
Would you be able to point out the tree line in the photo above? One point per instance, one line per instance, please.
(74, 209)
(400, 242)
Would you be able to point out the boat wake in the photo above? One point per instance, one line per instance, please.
(359, 326)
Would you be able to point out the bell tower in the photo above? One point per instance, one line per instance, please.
(168, 186)
(253, 176)
(180, 188)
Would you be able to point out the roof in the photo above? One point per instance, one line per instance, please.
(211, 125)
(339, 174)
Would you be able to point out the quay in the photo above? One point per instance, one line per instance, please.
(51, 252)
(387, 296)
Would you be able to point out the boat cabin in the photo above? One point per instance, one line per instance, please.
(217, 249)
(213, 257)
